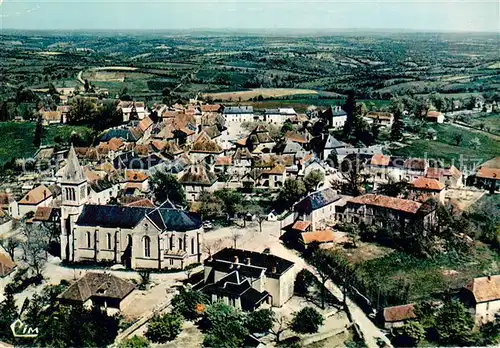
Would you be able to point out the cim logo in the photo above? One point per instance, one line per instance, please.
(19, 329)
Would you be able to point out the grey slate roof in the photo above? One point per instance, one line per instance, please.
(73, 171)
(317, 200)
(332, 143)
(238, 110)
(129, 217)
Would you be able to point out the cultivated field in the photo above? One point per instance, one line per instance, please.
(253, 93)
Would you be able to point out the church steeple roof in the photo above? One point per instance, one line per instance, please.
(73, 171)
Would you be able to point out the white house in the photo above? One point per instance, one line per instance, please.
(279, 116)
(334, 116)
(40, 196)
(238, 114)
(131, 108)
(247, 279)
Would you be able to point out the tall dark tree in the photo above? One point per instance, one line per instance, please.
(86, 86)
(166, 186)
(350, 108)
(397, 108)
(8, 310)
(37, 139)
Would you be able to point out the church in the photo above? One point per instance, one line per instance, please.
(137, 237)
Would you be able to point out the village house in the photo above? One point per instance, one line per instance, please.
(384, 119)
(136, 179)
(279, 116)
(325, 237)
(6, 263)
(424, 188)
(435, 116)
(131, 110)
(384, 211)
(238, 114)
(51, 117)
(482, 295)
(450, 176)
(317, 207)
(488, 178)
(398, 316)
(40, 196)
(242, 161)
(205, 149)
(64, 110)
(196, 179)
(331, 145)
(273, 178)
(99, 289)
(334, 116)
(247, 279)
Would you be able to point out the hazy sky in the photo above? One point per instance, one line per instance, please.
(427, 15)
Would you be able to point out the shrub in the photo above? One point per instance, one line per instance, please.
(162, 329)
(134, 342)
(303, 281)
(307, 320)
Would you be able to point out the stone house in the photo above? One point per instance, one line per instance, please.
(398, 316)
(99, 289)
(384, 211)
(334, 116)
(317, 207)
(273, 178)
(450, 176)
(424, 188)
(247, 279)
(482, 295)
(384, 119)
(279, 116)
(196, 179)
(238, 114)
(40, 196)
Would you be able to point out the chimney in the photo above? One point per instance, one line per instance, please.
(489, 277)
(274, 269)
(248, 261)
(236, 259)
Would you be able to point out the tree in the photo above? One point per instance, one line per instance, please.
(302, 283)
(86, 85)
(350, 108)
(211, 206)
(37, 139)
(134, 342)
(313, 179)
(353, 232)
(280, 325)
(166, 186)
(351, 177)
(231, 199)
(307, 321)
(410, 334)
(82, 111)
(320, 260)
(34, 247)
(235, 236)
(475, 143)
(438, 101)
(225, 326)
(187, 302)
(287, 127)
(393, 189)
(212, 247)
(458, 137)
(291, 192)
(10, 245)
(397, 127)
(260, 321)
(453, 323)
(8, 309)
(165, 328)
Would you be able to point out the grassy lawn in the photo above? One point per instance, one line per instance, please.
(17, 138)
(425, 279)
(445, 148)
(490, 122)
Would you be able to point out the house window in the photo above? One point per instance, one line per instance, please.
(180, 244)
(108, 238)
(147, 246)
(172, 242)
(129, 240)
(192, 245)
(171, 262)
(89, 240)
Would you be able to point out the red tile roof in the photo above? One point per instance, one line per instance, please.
(488, 173)
(434, 114)
(224, 161)
(427, 184)
(211, 108)
(42, 214)
(276, 170)
(145, 124)
(6, 264)
(301, 225)
(324, 236)
(485, 289)
(36, 196)
(399, 313)
(298, 138)
(136, 176)
(436, 173)
(380, 160)
(379, 115)
(142, 203)
(387, 202)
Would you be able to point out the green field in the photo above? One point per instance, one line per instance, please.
(490, 121)
(17, 138)
(445, 148)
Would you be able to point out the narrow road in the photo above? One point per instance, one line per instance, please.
(475, 130)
